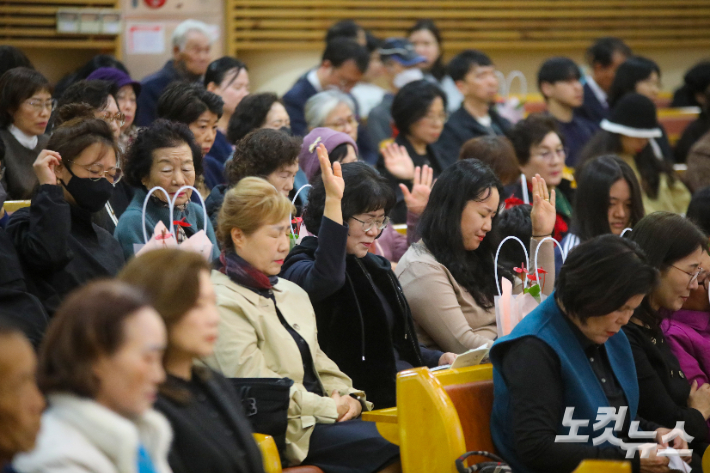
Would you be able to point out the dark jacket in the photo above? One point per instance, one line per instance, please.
(213, 163)
(461, 127)
(214, 202)
(691, 135)
(592, 109)
(60, 248)
(433, 159)
(211, 433)
(151, 89)
(16, 303)
(20, 179)
(663, 387)
(353, 326)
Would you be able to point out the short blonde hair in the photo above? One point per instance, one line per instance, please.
(253, 202)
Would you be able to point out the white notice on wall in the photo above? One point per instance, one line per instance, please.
(146, 38)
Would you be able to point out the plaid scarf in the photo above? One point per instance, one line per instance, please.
(243, 273)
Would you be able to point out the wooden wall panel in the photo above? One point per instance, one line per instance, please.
(485, 24)
(33, 24)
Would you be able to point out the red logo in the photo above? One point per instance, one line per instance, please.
(154, 3)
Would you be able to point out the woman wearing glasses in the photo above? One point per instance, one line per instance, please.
(539, 148)
(164, 154)
(59, 246)
(364, 322)
(25, 108)
(675, 246)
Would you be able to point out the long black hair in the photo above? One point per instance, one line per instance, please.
(591, 201)
(438, 69)
(440, 226)
(665, 238)
(649, 166)
(634, 70)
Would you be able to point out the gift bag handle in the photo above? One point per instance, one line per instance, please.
(202, 201)
(145, 205)
(523, 83)
(293, 202)
(502, 85)
(495, 262)
(537, 251)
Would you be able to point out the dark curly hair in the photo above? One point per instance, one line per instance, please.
(365, 191)
(16, 86)
(184, 103)
(249, 115)
(440, 224)
(260, 153)
(412, 103)
(92, 92)
(160, 134)
(530, 132)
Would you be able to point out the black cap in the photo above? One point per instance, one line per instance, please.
(634, 115)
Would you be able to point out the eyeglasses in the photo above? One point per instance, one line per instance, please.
(693, 276)
(547, 155)
(434, 118)
(112, 175)
(40, 105)
(119, 118)
(339, 125)
(370, 224)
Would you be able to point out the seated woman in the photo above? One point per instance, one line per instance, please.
(341, 148)
(448, 277)
(25, 108)
(212, 435)
(674, 246)
(164, 154)
(228, 78)
(570, 349)
(100, 367)
(266, 153)
(419, 113)
(642, 76)
(268, 330)
(539, 148)
(626, 133)
(607, 200)
(364, 322)
(59, 246)
(255, 111)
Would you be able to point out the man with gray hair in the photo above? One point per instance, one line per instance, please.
(192, 41)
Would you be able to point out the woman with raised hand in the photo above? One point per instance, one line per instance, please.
(100, 366)
(448, 277)
(60, 247)
(268, 330)
(364, 322)
(212, 435)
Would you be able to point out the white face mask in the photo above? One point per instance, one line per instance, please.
(407, 76)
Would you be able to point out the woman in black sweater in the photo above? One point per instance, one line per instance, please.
(673, 245)
(212, 435)
(59, 246)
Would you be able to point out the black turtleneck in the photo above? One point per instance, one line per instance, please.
(60, 248)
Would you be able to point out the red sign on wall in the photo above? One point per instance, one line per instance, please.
(154, 3)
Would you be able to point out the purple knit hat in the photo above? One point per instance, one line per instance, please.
(308, 157)
(116, 76)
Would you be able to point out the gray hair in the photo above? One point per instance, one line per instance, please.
(320, 105)
(179, 38)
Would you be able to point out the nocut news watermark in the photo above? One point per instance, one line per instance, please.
(605, 416)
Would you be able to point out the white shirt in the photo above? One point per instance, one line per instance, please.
(28, 141)
(485, 121)
(598, 92)
(312, 77)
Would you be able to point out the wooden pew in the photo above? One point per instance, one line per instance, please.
(271, 460)
(441, 415)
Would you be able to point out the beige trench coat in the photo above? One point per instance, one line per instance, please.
(252, 343)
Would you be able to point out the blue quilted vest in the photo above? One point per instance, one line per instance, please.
(583, 391)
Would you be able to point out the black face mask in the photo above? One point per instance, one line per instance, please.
(89, 194)
(287, 130)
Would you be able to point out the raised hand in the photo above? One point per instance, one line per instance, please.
(44, 166)
(543, 214)
(334, 185)
(417, 199)
(398, 162)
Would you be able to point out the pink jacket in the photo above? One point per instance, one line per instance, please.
(688, 335)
